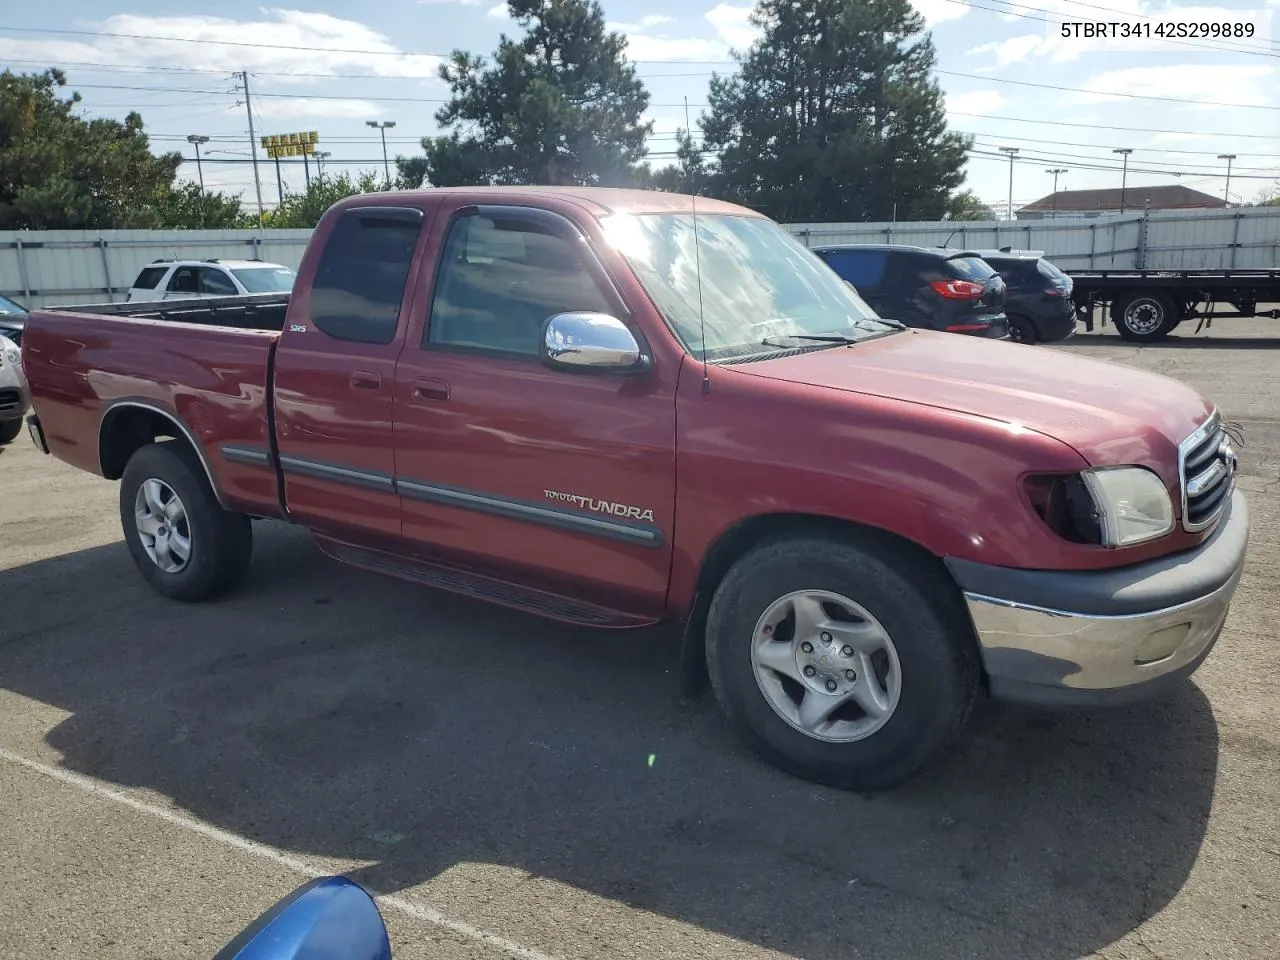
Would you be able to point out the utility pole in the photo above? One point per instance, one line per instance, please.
(381, 126)
(1124, 175)
(1012, 152)
(253, 144)
(1055, 171)
(320, 156)
(1226, 194)
(196, 140)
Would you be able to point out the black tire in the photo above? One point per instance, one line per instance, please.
(919, 608)
(9, 431)
(1144, 316)
(221, 543)
(1022, 330)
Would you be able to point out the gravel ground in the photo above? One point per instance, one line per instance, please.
(167, 772)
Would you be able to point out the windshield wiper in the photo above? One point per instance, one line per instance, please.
(825, 338)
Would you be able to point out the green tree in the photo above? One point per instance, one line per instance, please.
(834, 115)
(304, 210)
(965, 205)
(59, 170)
(688, 174)
(185, 206)
(561, 105)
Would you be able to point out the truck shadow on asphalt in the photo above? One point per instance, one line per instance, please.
(329, 712)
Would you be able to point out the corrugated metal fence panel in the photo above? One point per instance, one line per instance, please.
(41, 268)
(1110, 242)
(81, 266)
(1214, 239)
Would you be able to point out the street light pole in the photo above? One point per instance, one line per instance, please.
(1012, 152)
(195, 140)
(381, 126)
(321, 155)
(1226, 194)
(1055, 171)
(1124, 175)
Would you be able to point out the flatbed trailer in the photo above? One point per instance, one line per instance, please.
(1145, 305)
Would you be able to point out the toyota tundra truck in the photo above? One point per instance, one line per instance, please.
(617, 408)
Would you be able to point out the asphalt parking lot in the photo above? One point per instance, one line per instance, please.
(167, 771)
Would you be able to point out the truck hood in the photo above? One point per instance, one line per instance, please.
(1108, 412)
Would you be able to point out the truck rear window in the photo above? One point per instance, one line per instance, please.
(149, 277)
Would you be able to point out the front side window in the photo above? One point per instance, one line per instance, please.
(360, 280)
(265, 279)
(501, 278)
(746, 279)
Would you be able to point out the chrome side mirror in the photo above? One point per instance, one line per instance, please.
(591, 342)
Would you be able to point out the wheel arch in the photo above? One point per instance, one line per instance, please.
(130, 424)
(751, 532)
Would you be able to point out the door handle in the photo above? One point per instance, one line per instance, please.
(430, 390)
(366, 380)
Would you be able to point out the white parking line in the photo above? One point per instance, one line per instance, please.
(418, 911)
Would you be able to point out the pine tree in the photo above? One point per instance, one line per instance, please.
(834, 115)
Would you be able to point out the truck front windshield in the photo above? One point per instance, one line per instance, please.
(747, 280)
(265, 279)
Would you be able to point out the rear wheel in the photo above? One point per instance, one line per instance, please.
(181, 540)
(843, 665)
(9, 431)
(1022, 330)
(1144, 316)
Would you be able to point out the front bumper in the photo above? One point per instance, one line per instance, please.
(1104, 636)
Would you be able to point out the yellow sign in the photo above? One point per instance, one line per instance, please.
(280, 145)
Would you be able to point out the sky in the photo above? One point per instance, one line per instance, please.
(1008, 75)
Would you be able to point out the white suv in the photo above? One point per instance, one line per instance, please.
(184, 279)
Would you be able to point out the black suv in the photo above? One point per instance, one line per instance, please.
(936, 289)
(1038, 298)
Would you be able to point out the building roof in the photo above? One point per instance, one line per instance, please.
(1172, 196)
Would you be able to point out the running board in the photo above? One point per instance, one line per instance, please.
(479, 587)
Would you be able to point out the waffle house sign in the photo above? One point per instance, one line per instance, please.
(282, 145)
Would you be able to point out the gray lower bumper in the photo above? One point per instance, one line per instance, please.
(1117, 635)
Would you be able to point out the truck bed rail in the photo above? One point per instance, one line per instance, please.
(263, 311)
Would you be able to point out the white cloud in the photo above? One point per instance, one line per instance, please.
(498, 12)
(322, 40)
(461, 3)
(284, 108)
(939, 11)
(1013, 50)
(975, 101)
(733, 25)
(1242, 84)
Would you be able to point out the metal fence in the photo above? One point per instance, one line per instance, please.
(78, 266)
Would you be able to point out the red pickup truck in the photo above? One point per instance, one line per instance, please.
(613, 408)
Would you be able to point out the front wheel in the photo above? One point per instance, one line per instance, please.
(9, 431)
(840, 664)
(181, 540)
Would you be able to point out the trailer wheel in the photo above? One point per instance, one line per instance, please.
(1144, 316)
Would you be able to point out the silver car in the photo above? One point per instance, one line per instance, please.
(15, 399)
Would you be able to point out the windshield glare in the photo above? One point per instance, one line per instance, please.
(265, 279)
(757, 281)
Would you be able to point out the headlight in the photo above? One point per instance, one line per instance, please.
(1133, 505)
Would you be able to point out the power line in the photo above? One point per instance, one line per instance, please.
(1183, 166)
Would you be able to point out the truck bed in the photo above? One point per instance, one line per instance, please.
(194, 367)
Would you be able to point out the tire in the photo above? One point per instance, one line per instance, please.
(9, 431)
(219, 543)
(1022, 330)
(917, 607)
(1144, 316)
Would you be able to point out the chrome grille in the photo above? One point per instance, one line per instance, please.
(1206, 473)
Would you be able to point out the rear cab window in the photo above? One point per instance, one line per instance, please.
(360, 280)
(149, 277)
